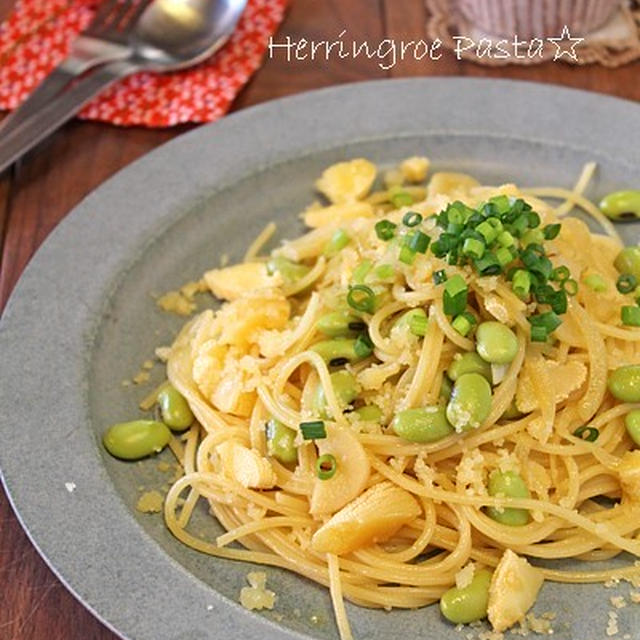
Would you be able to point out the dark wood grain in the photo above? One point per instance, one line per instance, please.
(42, 189)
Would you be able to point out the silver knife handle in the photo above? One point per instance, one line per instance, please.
(38, 126)
(86, 52)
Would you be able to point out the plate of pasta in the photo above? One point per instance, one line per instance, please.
(308, 374)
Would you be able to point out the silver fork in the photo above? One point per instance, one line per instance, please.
(104, 40)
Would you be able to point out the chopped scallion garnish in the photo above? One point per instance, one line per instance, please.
(363, 347)
(407, 255)
(521, 283)
(326, 466)
(551, 231)
(385, 229)
(630, 316)
(313, 430)
(570, 287)
(411, 219)
(595, 282)
(626, 283)
(419, 242)
(588, 434)
(339, 240)
(439, 276)
(401, 199)
(361, 298)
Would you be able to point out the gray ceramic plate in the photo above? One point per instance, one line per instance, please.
(82, 319)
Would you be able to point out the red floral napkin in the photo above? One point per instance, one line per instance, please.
(38, 33)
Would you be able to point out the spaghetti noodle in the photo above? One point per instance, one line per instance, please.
(259, 359)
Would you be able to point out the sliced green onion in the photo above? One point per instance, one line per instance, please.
(339, 240)
(402, 199)
(626, 283)
(356, 326)
(505, 239)
(361, 298)
(487, 231)
(630, 316)
(570, 287)
(560, 274)
(418, 324)
(551, 231)
(456, 285)
(504, 256)
(473, 248)
(326, 466)
(313, 430)
(539, 334)
(407, 255)
(419, 242)
(595, 282)
(363, 347)
(500, 203)
(488, 265)
(559, 302)
(549, 320)
(385, 271)
(462, 323)
(439, 276)
(411, 219)
(533, 236)
(521, 283)
(361, 271)
(588, 434)
(533, 219)
(385, 229)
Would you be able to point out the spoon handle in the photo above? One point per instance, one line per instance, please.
(38, 126)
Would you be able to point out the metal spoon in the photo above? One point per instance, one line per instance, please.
(169, 35)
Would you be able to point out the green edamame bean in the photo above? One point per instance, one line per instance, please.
(369, 413)
(470, 402)
(512, 412)
(496, 343)
(624, 383)
(469, 362)
(415, 320)
(176, 413)
(338, 350)
(628, 261)
(137, 439)
(340, 324)
(446, 387)
(290, 271)
(621, 205)
(426, 424)
(280, 442)
(632, 423)
(462, 606)
(510, 485)
(345, 388)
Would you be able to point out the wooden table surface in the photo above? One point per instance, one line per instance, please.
(37, 193)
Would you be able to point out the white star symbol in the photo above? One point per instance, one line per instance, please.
(565, 39)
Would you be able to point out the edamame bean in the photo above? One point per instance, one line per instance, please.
(624, 383)
(280, 442)
(415, 320)
(446, 387)
(426, 424)
(137, 439)
(470, 402)
(290, 271)
(632, 423)
(628, 261)
(510, 485)
(337, 351)
(176, 413)
(470, 603)
(345, 388)
(621, 205)
(496, 343)
(340, 324)
(369, 413)
(469, 362)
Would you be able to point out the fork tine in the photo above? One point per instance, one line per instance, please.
(122, 8)
(101, 17)
(134, 13)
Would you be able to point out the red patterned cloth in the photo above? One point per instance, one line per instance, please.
(38, 33)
